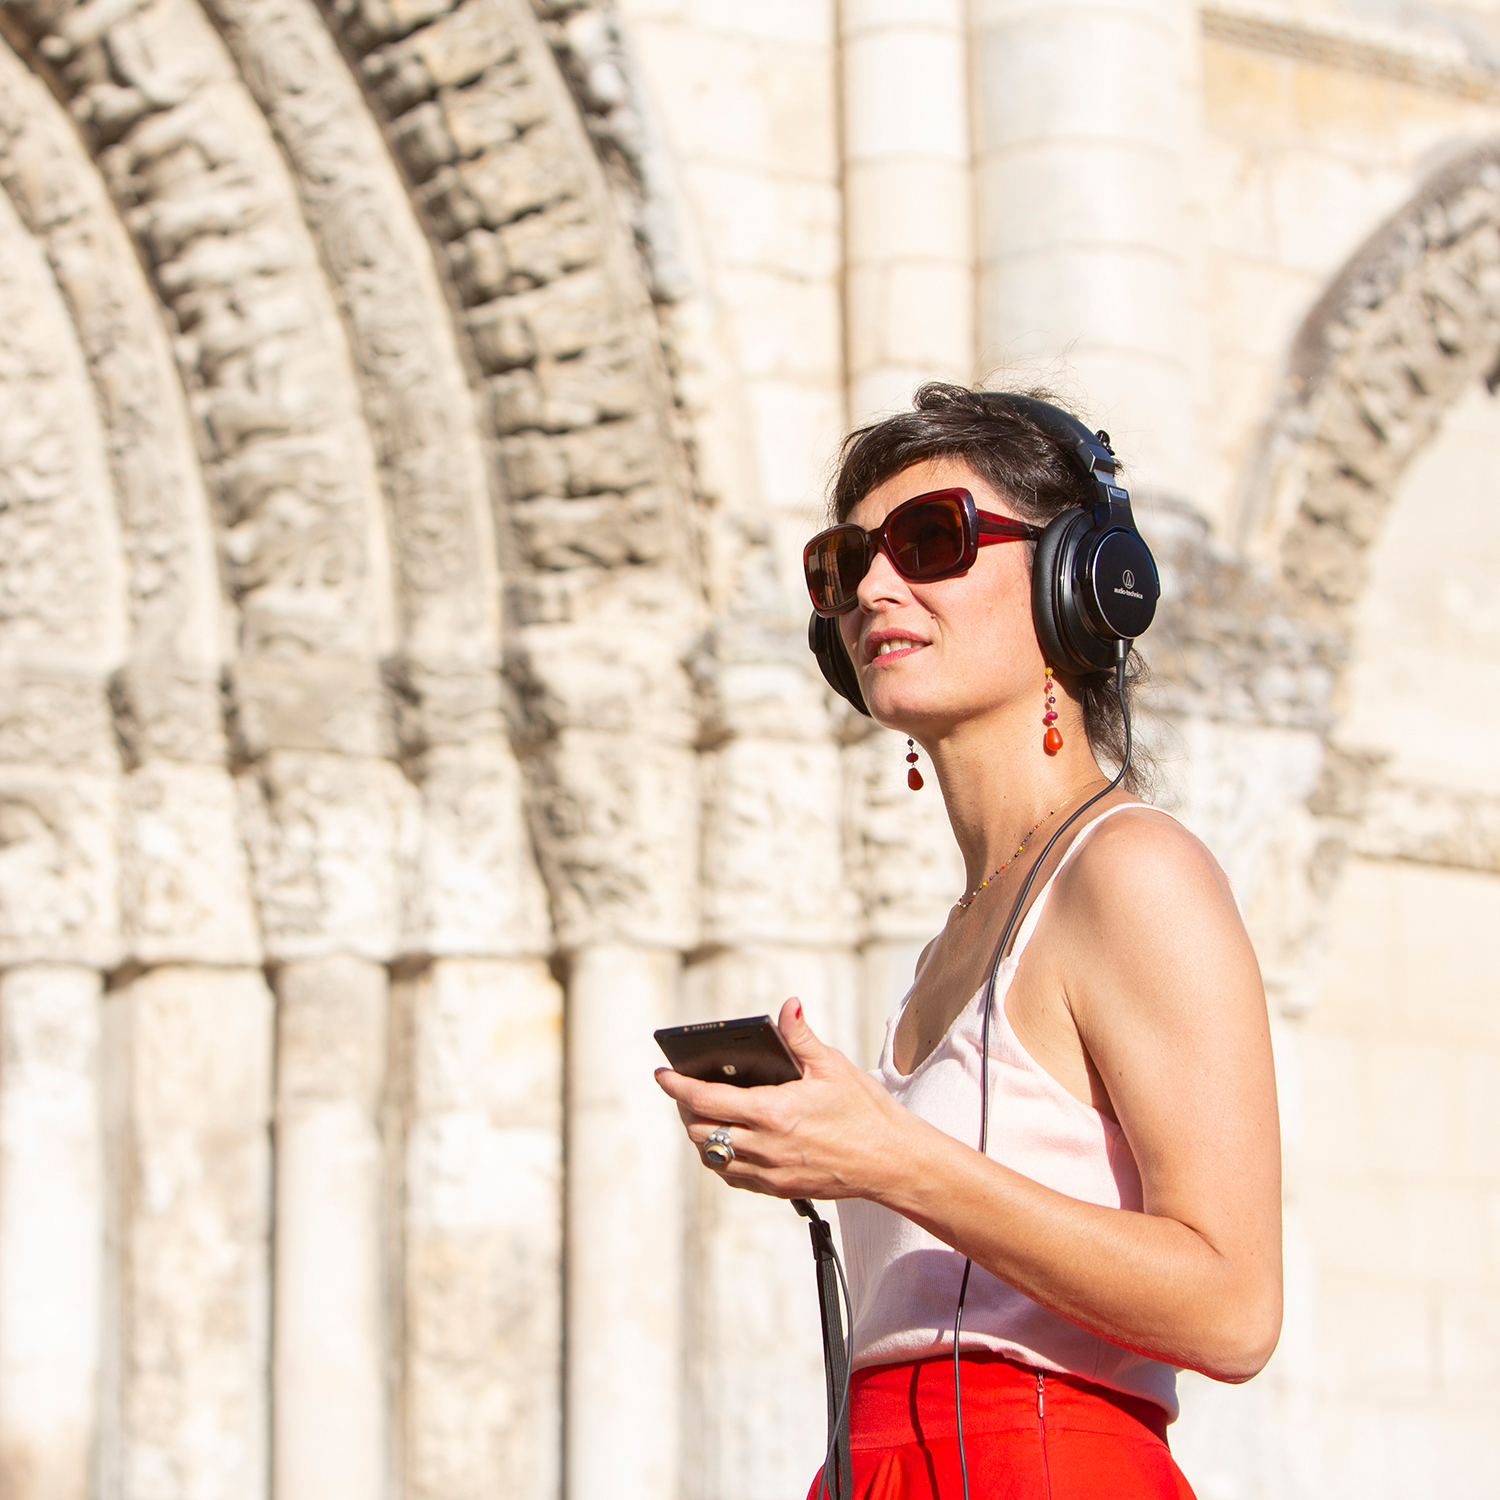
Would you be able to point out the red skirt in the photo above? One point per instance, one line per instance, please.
(1028, 1435)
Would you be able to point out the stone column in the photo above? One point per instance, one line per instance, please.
(754, 1421)
(189, 1086)
(51, 1230)
(909, 252)
(624, 1250)
(329, 836)
(329, 1360)
(779, 919)
(63, 629)
(478, 1083)
(1083, 125)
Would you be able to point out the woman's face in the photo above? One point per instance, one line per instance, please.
(931, 655)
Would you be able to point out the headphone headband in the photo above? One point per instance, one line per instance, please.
(1090, 451)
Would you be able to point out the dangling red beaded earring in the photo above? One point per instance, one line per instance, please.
(1052, 740)
(913, 775)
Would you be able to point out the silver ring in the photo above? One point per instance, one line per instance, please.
(716, 1147)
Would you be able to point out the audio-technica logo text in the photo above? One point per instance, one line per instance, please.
(1128, 579)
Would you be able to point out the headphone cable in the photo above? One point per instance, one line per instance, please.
(805, 1208)
(1122, 650)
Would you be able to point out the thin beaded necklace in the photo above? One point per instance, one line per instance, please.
(966, 901)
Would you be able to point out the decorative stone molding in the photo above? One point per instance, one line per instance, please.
(184, 879)
(172, 590)
(603, 600)
(196, 176)
(59, 898)
(1402, 55)
(61, 584)
(418, 406)
(63, 616)
(1390, 819)
(56, 718)
(182, 883)
(195, 172)
(1412, 320)
(593, 55)
(329, 838)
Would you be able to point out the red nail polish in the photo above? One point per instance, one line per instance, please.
(798, 1011)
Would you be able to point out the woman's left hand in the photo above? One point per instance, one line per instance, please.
(833, 1133)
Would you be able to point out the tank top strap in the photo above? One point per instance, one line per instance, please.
(1028, 925)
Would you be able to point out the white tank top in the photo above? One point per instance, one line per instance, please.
(904, 1282)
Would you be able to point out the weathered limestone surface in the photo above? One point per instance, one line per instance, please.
(51, 1230)
(331, 1348)
(187, 153)
(1413, 320)
(412, 381)
(60, 591)
(605, 611)
(1084, 113)
(909, 234)
(182, 886)
(327, 836)
(1400, 1060)
(183, 869)
(189, 1102)
(745, 111)
(173, 595)
(472, 885)
(623, 1365)
(475, 1135)
(62, 629)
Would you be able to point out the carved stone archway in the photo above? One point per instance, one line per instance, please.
(1253, 644)
(1411, 322)
(385, 726)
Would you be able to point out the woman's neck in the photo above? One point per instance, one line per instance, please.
(998, 782)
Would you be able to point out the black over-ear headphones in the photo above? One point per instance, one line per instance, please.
(1093, 579)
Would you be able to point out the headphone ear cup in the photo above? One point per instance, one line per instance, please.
(827, 645)
(1068, 640)
(1046, 572)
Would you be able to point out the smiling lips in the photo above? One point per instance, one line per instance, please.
(901, 645)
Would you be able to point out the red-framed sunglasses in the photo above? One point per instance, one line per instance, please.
(928, 537)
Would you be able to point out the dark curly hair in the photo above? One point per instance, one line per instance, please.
(992, 434)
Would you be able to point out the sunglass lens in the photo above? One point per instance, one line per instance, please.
(927, 540)
(835, 567)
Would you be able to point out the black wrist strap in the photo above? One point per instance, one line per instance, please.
(840, 1484)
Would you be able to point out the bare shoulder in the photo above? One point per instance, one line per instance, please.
(1156, 907)
(1141, 854)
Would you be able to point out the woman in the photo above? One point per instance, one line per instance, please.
(1125, 1219)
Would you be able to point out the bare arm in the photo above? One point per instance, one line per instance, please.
(1163, 988)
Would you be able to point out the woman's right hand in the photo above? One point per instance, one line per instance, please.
(833, 1133)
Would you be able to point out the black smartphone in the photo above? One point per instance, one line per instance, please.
(748, 1052)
